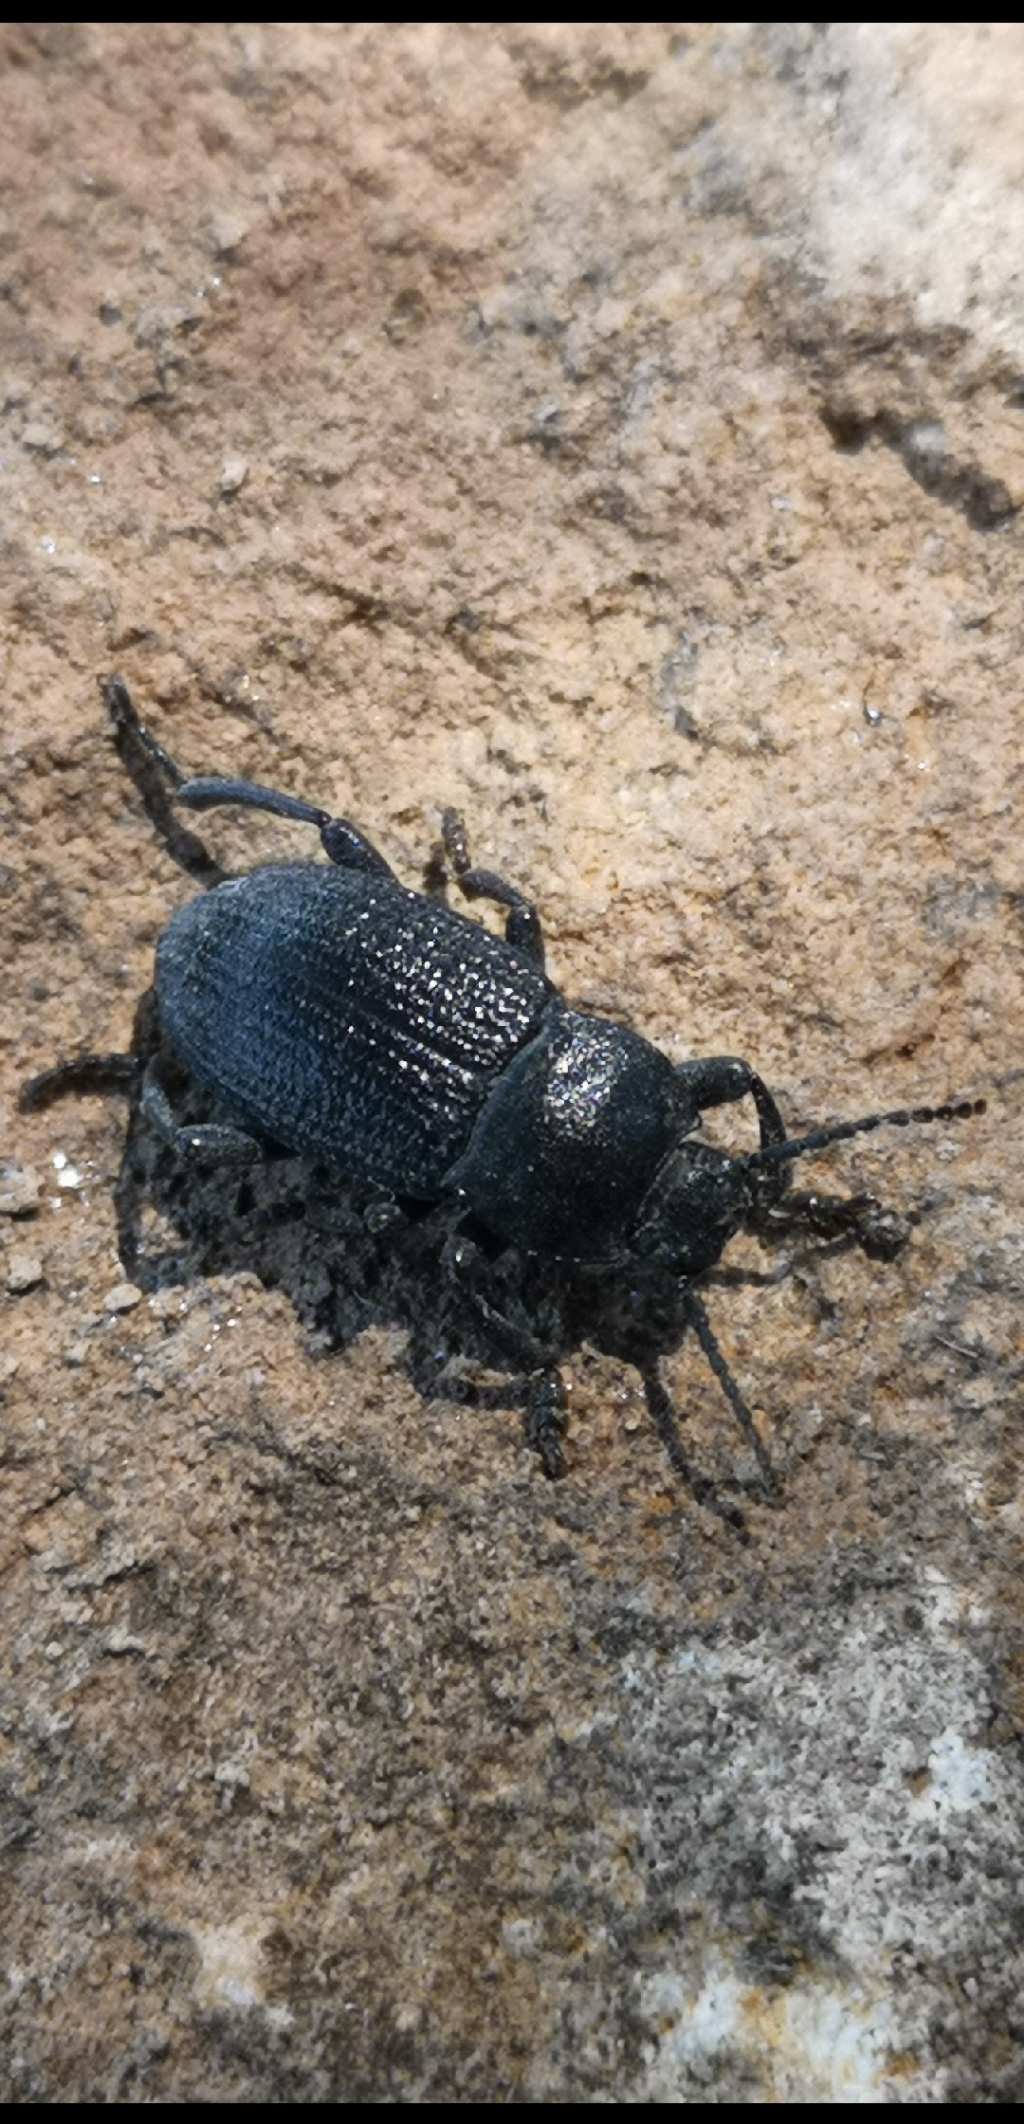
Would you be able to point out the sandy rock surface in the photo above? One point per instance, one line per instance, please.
(618, 433)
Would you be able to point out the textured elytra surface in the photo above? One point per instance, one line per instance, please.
(341, 1016)
(615, 432)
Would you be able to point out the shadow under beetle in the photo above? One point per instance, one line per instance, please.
(337, 1014)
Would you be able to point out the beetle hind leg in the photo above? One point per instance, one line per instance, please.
(522, 922)
(82, 1074)
(341, 841)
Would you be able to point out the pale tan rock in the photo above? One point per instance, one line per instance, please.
(634, 417)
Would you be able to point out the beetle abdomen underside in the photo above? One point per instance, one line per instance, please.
(342, 1016)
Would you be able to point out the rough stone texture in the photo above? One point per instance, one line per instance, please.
(618, 432)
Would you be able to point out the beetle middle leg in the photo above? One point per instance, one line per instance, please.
(666, 1422)
(98, 1075)
(522, 922)
(191, 1142)
(545, 1417)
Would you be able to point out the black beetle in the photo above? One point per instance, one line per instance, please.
(336, 1013)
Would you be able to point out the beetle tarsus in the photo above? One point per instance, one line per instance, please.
(154, 774)
(546, 1420)
(522, 922)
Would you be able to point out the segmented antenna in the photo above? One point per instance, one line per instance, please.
(900, 1117)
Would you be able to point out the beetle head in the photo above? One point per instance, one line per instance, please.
(699, 1198)
(701, 1195)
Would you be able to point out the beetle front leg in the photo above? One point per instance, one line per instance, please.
(522, 923)
(462, 1259)
(877, 1231)
(665, 1417)
(719, 1080)
(708, 1340)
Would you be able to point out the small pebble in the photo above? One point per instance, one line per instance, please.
(20, 1189)
(234, 473)
(121, 1298)
(24, 1270)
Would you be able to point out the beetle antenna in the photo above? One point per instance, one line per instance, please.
(708, 1340)
(900, 1117)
